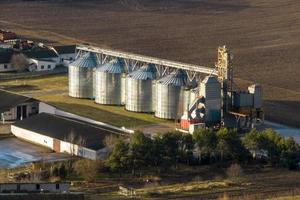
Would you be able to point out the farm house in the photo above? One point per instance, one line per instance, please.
(16, 107)
(66, 53)
(5, 65)
(64, 135)
(41, 64)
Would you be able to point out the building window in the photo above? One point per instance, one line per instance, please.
(49, 66)
(38, 187)
(5, 66)
(42, 67)
(57, 186)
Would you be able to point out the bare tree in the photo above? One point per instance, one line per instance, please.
(109, 142)
(73, 140)
(19, 62)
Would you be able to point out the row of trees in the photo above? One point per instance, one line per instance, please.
(205, 146)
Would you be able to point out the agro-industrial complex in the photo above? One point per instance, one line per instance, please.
(196, 96)
(170, 90)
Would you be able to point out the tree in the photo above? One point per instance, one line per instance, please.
(74, 141)
(253, 141)
(19, 62)
(157, 153)
(273, 144)
(87, 169)
(186, 147)
(170, 144)
(230, 146)
(118, 159)
(109, 142)
(206, 141)
(140, 150)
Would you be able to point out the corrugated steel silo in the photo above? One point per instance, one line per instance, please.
(81, 76)
(139, 89)
(169, 95)
(108, 83)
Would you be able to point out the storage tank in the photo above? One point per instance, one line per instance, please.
(139, 89)
(256, 90)
(81, 76)
(242, 99)
(108, 83)
(169, 95)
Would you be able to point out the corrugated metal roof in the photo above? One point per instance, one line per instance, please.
(115, 66)
(88, 60)
(60, 128)
(40, 53)
(177, 78)
(144, 73)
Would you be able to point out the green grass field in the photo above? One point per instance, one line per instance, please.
(33, 85)
(115, 115)
(54, 90)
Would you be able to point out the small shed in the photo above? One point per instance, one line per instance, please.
(16, 107)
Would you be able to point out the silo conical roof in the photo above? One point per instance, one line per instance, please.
(176, 78)
(144, 73)
(115, 66)
(88, 60)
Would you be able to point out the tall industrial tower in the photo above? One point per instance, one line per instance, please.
(225, 75)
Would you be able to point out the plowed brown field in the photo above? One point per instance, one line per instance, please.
(264, 36)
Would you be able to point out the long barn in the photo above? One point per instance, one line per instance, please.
(64, 135)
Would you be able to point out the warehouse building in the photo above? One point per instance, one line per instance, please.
(16, 107)
(34, 187)
(64, 135)
(66, 53)
(42, 54)
(5, 57)
(41, 64)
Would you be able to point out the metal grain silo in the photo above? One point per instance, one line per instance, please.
(169, 95)
(139, 89)
(108, 83)
(81, 76)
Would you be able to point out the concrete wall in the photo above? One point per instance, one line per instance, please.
(43, 196)
(65, 147)
(35, 187)
(32, 108)
(68, 57)
(6, 67)
(32, 137)
(42, 65)
(74, 149)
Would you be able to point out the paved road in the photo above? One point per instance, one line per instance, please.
(15, 152)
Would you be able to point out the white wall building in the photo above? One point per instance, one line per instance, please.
(66, 54)
(5, 65)
(63, 135)
(16, 107)
(41, 64)
(34, 187)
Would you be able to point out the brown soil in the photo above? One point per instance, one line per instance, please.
(264, 36)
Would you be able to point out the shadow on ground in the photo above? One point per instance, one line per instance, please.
(284, 112)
